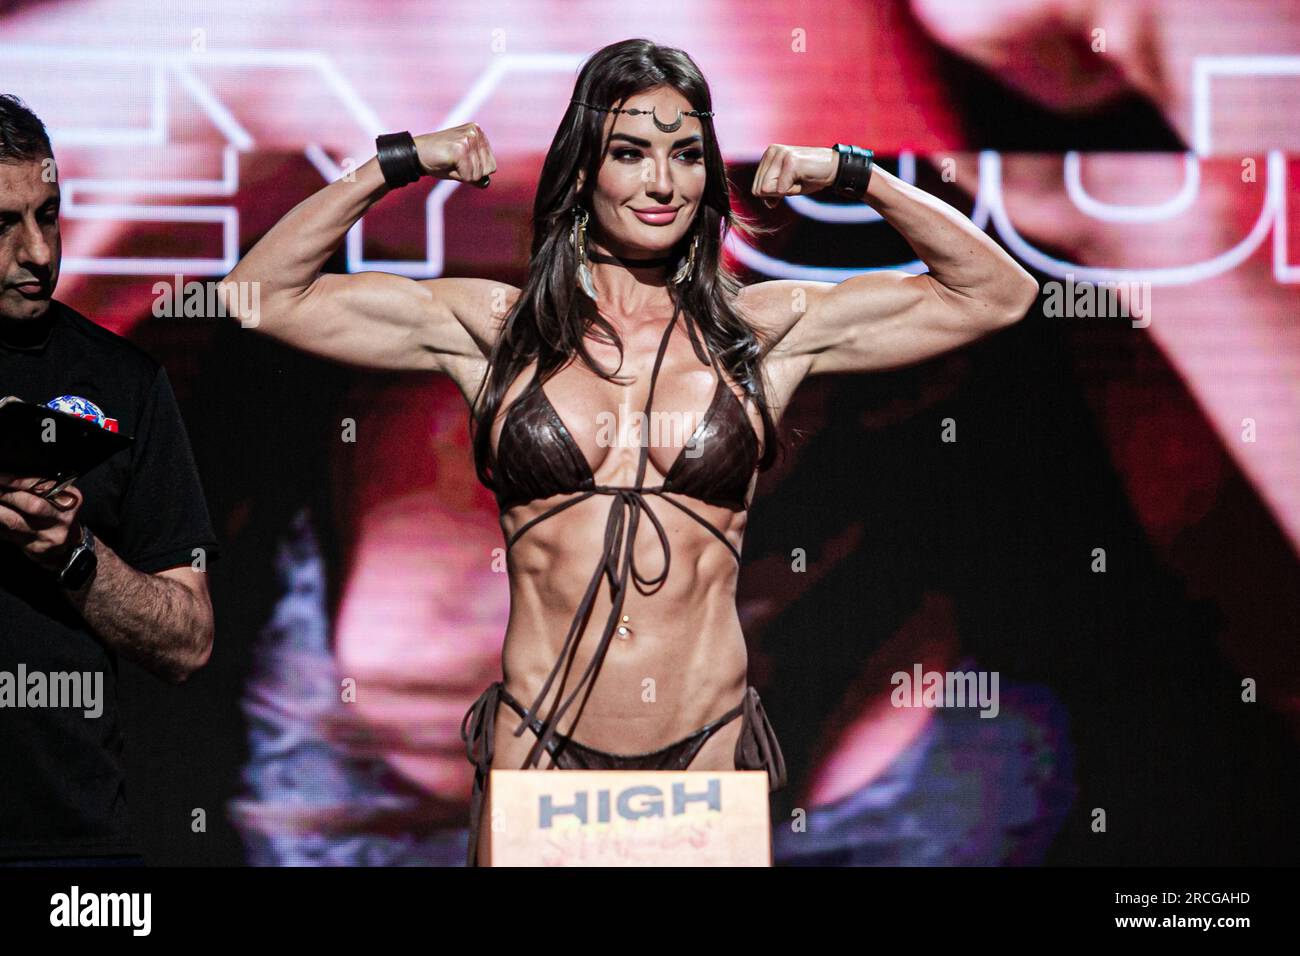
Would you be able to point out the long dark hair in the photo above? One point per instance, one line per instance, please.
(551, 317)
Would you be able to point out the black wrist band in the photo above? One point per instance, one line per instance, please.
(399, 160)
(854, 173)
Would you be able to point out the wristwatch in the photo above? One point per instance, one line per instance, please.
(82, 564)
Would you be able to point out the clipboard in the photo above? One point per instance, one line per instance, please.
(79, 444)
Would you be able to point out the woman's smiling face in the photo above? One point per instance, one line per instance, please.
(650, 183)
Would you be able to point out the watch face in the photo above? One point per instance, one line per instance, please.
(76, 574)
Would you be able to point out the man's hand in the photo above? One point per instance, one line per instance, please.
(162, 621)
(47, 532)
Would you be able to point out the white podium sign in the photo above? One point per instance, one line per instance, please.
(628, 818)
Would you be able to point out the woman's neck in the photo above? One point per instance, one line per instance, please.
(630, 262)
(634, 282)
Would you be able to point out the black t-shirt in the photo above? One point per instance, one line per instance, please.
(62, 786)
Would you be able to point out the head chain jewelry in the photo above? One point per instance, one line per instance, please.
(662, 127)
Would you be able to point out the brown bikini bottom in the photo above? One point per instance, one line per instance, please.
(756, 749)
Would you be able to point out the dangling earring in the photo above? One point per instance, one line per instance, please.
(686, 267)
(578, 241)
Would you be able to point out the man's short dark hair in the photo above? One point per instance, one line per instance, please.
(23, 138)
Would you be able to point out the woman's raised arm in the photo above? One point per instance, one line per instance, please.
(370, 319)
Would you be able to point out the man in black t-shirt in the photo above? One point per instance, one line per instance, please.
(113, 564)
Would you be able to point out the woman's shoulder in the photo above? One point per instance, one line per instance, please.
(774, 306)
(479, 306)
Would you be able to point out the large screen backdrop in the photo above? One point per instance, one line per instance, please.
(1098, 507)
